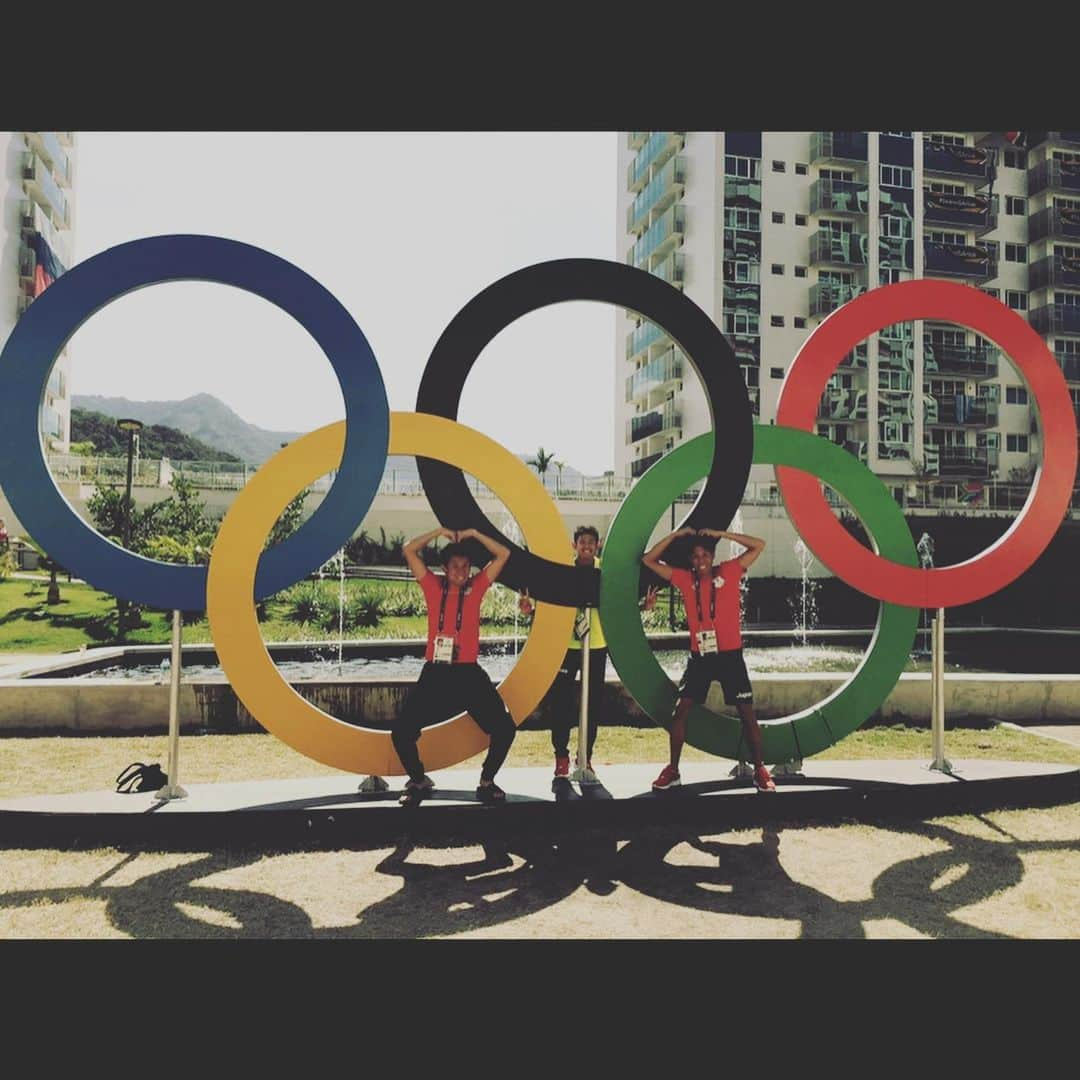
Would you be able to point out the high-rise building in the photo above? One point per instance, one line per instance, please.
(36, 246)
(768, 232)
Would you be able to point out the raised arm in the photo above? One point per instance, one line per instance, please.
(413, 548)
(651, 558)
(754, 544)
(500, 553)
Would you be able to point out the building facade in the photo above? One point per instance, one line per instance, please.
(768, 232)
(36, 246)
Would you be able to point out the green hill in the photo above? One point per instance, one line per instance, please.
(155, 440)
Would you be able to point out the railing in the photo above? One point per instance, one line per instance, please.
(667, 367)
(1069, 364)
(969, 162)
(839, 197)
(50, 149)
(672, 269)
(838, 146)
(642, 337)
(1055, 270)
(828, 296)
(849, 249)
(666, 418)
(672, 223)
(959, 260)
(1056, 319)
(977, 212)
(1063, 175)
(969, 360)
(39, 182)
(657, 149)
(1054, 221)
(642, 464)
(963, 409)
(667, 182)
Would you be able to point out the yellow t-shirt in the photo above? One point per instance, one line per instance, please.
(596, 631)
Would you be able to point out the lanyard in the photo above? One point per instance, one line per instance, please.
(697, 599)
(460, 605)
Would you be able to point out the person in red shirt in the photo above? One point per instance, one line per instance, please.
(451, 680)
(711, 596)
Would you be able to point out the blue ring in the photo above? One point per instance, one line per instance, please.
(43, 331)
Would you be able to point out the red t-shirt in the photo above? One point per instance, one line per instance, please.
(727, 621)
(467, 640)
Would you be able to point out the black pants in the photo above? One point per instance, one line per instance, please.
(565, 716)
(442, 691)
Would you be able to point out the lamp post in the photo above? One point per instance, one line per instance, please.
(131, 427)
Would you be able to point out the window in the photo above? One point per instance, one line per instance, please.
(800, 169)
(895, 176)
(1068, 250)
(938, 237)
(990, 440)
(1067, 298)
(800, 271)
(736, 218)
(800, 322)
(898, 134)
(776, 373)
(777, 268)
(1015, 159)
(891, 275)
(989, 391)
(991, 292)
(943, 138)
(776, 320)
(741, 322)
(779, 166)
(1067, 346)
(895, 226)
(1016, 300)
(742, 272)
(837, 227)
(893, 380)
(1016, 395)
(836, 174)
(1016, 444)
(1014, 204)
(747, 168)
(777, 217)
(800, 219)
(1064, 155)
(1016, 253)
(946, 189)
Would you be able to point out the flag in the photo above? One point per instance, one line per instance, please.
(1017, 138)
(48, 267)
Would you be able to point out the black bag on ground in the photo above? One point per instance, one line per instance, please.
(140, 777)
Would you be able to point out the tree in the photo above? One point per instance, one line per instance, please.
(541, 461)
(289, 521)
(560, 465)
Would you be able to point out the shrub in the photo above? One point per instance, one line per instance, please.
(307, 603)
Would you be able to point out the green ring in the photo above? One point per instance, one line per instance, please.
(804, 733)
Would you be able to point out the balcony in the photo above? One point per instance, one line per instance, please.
(1056, 319)
(657, 374)
(856, 449)
(826, 296)
(741, 193)
(742, 244)
(962, 410)
(838, 197)
(657, 149)
(742, 296)
(977, 461)
(642, 464)
(635, 140)
(672, 269)
(895, 354)
(1054, 221)
(1061, 270)
(1053, 176)
(958, 260)
(930, 409)
(664, 234)
(642, 337)
(971, 361)
(966, 211)
(53, 154)
(747, 349)
(658, 194)
(896, 252)
(857, 358)
(1067, 138)
(663, 421)
(830, 248)
(39, 184)
(33, 219)
(839, 146)
(965, 162)
(897, 406)
(1069, 364)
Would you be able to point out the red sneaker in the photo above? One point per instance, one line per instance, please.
(669, 778)
(562, 767)
(762, 780)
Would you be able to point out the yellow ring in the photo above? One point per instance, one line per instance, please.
(230, 594)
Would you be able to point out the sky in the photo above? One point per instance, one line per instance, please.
(404, 228)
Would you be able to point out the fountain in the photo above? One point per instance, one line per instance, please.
(734, 551)
(509, 528)
(804, 603)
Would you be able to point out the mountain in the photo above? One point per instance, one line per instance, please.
(155, 440)
(201, 416)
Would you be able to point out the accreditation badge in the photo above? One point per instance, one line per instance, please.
(444, 649)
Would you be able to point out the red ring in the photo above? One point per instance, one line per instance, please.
(1026, 538)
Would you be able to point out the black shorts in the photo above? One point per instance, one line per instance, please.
(728, 668)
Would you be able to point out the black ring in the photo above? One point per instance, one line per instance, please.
(610, 282)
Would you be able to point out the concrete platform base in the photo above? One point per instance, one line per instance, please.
(330, 812)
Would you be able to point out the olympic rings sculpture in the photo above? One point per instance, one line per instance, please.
(356, 450)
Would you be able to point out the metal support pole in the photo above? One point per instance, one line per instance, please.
(173, 790)
(937, 694)
(373, 784)
(583, 774)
